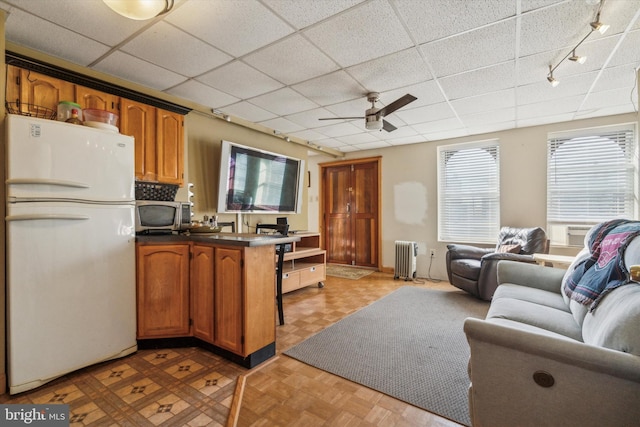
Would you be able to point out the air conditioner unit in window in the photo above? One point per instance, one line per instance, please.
(576, 233)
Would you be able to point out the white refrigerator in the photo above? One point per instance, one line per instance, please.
(70, 249)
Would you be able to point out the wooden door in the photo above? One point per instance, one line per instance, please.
(351, 206)
(170, 149)
(202, 279)
(228, 299)
(139, 121)
(163, 290)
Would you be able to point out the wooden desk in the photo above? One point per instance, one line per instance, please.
(560, 261)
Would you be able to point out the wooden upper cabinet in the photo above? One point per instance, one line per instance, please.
(170, 147)
(139, 121)
(42, 91)
(91, 98)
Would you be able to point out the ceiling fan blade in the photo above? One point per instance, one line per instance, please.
(388, 126)
(341, 118)
(398, 103)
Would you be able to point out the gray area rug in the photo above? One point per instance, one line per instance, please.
(409, 345)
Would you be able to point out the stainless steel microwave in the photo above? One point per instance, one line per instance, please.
(153, 216)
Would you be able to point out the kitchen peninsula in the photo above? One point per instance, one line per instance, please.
(213, 290)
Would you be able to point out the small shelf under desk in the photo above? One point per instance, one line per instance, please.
(305, 264)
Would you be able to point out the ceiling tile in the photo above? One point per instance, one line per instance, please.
(550, 108)
(372, 145)
(428, 113)
(555, 27)
(446, 134)
(628, 51)
(478, 82)
(202, 94)
(538, 121)
(240, 80)
(489, 117)
(626, 99)
(488, 128)
(57, 41)
(309, 118)
(138, 71)
(301, 14)
(92, 18)
(624, 76)
(449, 17)
(278, 62)
(331, 143)
(401, 132)
(474, 49)
(168, 47)
(365, 32)
(415, 139)
(340, 129)
(427, 92)
(360, 138)
(438, 126)
(331, 88)
(283, 101)
(543, 91)
(308, 135)
(394, 71)
(249, 112)
(485, 102)
(233, 27)
(281, 125)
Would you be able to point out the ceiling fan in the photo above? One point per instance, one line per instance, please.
(374, 116)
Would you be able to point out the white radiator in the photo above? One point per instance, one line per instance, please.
(405, 259)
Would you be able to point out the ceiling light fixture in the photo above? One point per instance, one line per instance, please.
(571, 56)
(577, 58)
(140, 10)
(551, 79)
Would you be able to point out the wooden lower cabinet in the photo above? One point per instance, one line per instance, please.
(163, 290)
(229, 294)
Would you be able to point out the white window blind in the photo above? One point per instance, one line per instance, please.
(469, 192)
(591, 176)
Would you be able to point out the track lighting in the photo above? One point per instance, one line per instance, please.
(551, 79)
(576, 58)
(599, 26)
(571, 56)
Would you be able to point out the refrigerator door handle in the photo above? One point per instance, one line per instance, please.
(44, 181)
(37, 217)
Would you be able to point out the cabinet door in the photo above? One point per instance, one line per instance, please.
(38, 90)
(202, 278)
(228, 299)
(170, 147)
(13, 85)
(91, 98)
(138, 120)
(163, 290)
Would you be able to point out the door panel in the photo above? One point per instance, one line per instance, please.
(365, 201)
(338, 236)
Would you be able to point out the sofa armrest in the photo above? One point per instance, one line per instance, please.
(467, 252)
(531, 275)
(586, 385)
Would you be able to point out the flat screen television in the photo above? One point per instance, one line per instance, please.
(258, 181)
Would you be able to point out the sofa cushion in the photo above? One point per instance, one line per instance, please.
(534, 295)
(528, 328)
(513, 249)
(467, 268)
(615, 323)
(538, 315)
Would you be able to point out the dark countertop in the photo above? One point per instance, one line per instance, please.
(226, 239)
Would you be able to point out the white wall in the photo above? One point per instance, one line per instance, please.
(409, 188)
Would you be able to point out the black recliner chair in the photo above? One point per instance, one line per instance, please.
(474, 269)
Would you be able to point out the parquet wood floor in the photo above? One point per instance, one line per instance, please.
(286, 392)
(192, 387)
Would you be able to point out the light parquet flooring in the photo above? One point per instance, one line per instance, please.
(193, 387)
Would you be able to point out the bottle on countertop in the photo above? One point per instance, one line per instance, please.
(74, 118)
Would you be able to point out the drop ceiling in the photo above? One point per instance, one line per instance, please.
(476, 66)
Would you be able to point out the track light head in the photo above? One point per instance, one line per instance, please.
(577, 58)
(551, 79)
(599, 26)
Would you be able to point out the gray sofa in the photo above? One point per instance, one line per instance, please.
(542, 359)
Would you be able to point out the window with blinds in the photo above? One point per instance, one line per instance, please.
(591, 177)
(469, 192)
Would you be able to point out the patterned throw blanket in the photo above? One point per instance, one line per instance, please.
(605, 269)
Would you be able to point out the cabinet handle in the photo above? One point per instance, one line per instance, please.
(313, 269)
(285, 276)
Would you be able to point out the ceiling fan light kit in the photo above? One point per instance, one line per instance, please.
(572, 56)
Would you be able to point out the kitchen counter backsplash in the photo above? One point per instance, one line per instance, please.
(155, 191)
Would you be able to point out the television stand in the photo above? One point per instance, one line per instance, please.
(305, 264)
